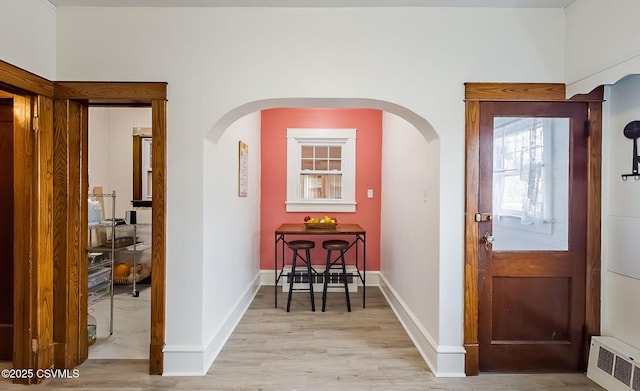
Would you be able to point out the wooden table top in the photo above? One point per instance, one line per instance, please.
(301, 229)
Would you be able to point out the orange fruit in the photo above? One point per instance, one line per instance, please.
(122, 270)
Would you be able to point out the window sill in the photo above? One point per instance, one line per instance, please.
(321, 207)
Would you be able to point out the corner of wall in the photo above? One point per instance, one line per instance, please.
(195, 360)
(443, 361)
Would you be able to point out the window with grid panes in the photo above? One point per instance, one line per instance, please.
(321, 170)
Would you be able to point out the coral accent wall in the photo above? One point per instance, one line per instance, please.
(275, 122)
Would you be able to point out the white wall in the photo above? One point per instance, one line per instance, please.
(409, 248)
(28, 31)
(603, 43)
(416, 58)
(216, 60)
(603, 47)
(231, 240)
(621, 218)
(111, 154)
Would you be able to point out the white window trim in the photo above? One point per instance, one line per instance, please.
(347, 138)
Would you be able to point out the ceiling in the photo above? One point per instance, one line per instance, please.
(316, 3)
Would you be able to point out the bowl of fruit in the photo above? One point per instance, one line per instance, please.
(324, 223)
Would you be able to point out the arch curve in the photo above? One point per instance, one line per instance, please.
(423, 126)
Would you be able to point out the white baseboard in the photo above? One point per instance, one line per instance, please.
(195, 360)
(183, 360)
(444, 361)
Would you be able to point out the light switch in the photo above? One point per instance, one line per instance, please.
(370, 193)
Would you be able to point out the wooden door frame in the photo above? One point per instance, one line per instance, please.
(126, 94)
(475, 93)
(33, 346)
(50, 283)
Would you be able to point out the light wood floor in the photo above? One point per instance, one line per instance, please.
(270, 349)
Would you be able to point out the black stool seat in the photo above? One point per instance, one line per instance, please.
(335, 245)
(301, 244)
(305, 245)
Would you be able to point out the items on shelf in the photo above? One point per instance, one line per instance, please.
(100, 259)
(92, 329)
(115, 255)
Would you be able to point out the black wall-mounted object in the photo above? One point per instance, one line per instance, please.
(632, 131)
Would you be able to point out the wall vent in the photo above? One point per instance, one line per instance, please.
(300, 280)
(614, 364)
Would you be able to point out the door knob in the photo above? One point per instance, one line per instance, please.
(488, 240)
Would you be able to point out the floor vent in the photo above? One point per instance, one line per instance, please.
(301, 279)
(614, 364)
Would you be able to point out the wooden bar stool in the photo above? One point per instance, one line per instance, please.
(335, 245)
(305, 245)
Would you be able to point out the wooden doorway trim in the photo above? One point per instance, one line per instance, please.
(136, 94)
(33, 229)
(50, 321)
(70, 236)
(479, 92)
(13, 78)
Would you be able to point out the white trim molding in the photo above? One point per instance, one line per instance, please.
(444, 361)
(346, 138)
(180, 360)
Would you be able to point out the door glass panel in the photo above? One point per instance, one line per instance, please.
(530, 184)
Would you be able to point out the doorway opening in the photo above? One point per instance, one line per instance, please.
(7, 228)
(72, 100)
(123, 318)
(409, 198)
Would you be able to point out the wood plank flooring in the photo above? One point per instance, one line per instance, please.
(270, 349)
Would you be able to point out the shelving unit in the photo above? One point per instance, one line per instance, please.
(108, 250)
(100, 269)
(131, 254)
(135, 254)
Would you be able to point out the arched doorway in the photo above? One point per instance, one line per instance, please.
(415, 196)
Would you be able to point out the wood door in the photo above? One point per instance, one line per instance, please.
(6, 228)
(532, 256)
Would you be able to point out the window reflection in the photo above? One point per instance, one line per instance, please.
(530, 183)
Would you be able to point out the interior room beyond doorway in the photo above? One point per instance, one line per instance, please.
(122, 327)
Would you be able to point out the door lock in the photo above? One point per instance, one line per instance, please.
(488, 240)
(480, 217)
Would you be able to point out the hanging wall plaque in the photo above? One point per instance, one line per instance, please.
(243, 169)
